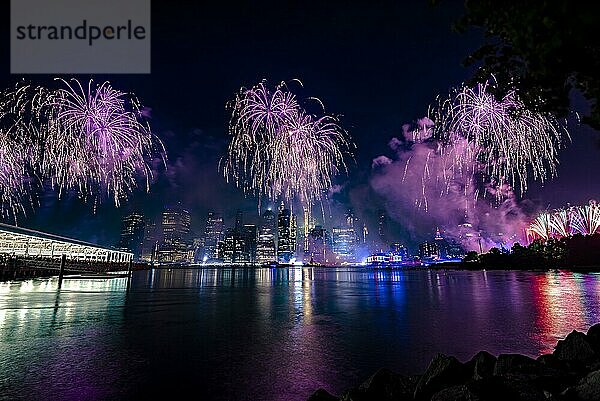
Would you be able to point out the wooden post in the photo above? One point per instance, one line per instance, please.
(63, 261)
(129, 269)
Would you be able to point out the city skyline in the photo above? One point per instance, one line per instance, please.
(278, 237)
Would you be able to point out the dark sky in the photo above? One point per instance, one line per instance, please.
(378, 64)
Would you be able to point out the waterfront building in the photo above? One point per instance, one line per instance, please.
(23, 242)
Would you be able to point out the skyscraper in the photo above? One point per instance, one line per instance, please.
(152, 237)
(382, 230)
(286, 235)
(240, 244)
(132, 234)
(319, 250)
(229, 247)
(249, 235)
(344, 242)
(175, 245)
(266, 251)
(213, 233)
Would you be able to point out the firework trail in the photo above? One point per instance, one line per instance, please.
(488, 143)
(18, 147)
(279, 150)
(92, 140)
(566, 222)
(13, 176)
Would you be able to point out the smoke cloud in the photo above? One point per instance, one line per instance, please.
(424, 187)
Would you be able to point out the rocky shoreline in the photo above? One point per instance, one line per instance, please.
(571, 372)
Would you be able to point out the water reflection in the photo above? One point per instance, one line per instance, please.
(271, 333)
(564, 301)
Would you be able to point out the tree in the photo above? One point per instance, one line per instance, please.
(471, 256)
(542, 49)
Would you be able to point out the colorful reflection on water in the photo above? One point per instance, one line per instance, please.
(271, 334)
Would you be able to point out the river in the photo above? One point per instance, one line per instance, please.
(270, 334)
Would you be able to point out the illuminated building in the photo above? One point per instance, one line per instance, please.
(399, 250)
(344, 239)
(175, 246)
(429, 251)
(248, 252)
(213, 234)
(266, 251)
(442, 244)
(132, 234)
(286, 235)
(18, 241)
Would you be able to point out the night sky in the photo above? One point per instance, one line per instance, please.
(377, 65)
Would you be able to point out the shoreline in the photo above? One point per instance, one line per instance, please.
(570, 373)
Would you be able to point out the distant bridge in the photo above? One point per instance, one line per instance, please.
(22, 242)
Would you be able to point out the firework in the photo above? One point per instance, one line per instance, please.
(97, 141)
(541, 227)
(566, 222)
(13, 176)
(91, 140)
(586, 219)
(18, 148)
(486, 143)
(279, 150)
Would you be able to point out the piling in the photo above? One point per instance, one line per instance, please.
(63, 262)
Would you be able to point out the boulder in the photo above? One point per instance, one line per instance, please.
(515, 364)
(322, 395)
(575, 347)
(501, 388)
(354, 394)
(387, 385)
(443, 371)
(588, 389)
(593, 337)
(455, 393)
(483, 365)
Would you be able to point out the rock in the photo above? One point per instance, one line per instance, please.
(387, 385)
(593, 337)
(443, 371)
(455, 393)
(354, 394)
(483, 365)
(515, 364)
(547, 360)
(502, 388)
(588, 388)
(322, 395)
(575, 347)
